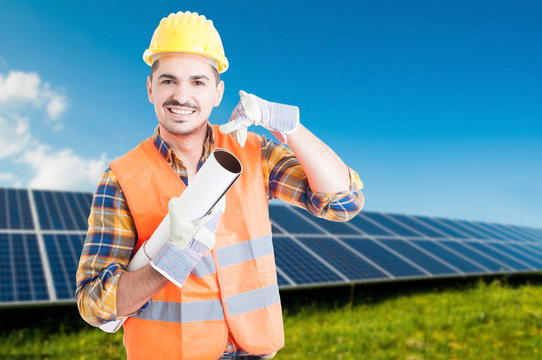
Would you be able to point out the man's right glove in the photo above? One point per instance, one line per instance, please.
(188, 241)
(280, 119)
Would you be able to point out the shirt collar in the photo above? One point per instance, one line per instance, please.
(169, 154)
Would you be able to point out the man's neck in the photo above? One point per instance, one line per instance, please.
(189, 148)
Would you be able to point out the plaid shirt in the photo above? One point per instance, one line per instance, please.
(112, 234)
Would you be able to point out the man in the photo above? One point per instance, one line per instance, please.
(222, 300)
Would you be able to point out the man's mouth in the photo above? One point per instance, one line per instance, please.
(181, 112)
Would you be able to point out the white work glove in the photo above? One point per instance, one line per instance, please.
(278, 118)
(188, 241)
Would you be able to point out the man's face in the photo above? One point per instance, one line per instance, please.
(184, 91)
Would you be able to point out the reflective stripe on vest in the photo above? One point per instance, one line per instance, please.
(211, 309)
(235, 254)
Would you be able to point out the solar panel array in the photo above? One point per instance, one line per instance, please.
(42, 234)
(376, 247)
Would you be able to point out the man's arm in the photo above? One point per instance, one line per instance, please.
(286, 180)
(105, 291)
(325, 171)
(313, 176)
(136, 288)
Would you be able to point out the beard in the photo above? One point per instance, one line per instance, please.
(183, 128)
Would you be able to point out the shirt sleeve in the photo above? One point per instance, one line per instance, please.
(107, 250)
(286, 180)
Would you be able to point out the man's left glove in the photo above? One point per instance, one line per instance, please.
(188, 241)
(280, 119)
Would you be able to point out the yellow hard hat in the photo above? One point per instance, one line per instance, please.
(188, 33)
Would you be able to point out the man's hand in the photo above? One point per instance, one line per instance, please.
(278, 118)
(188, 241)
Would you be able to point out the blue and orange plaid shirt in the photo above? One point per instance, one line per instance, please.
(112, 234)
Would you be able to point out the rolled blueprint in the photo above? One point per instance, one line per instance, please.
(210, 184)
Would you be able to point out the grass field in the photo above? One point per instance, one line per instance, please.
(491, 319)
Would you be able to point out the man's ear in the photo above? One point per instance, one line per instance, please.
(219, 93)
(149, 90)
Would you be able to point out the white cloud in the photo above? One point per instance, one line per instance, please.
(63, 169)
(52, 168)
(21, 89)
(14, 135)
(56, 106)
(7, 177)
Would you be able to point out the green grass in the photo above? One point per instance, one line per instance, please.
(466, 320)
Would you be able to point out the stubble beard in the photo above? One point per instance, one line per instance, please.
(180, 129)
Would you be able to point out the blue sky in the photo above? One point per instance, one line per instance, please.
(436, 104)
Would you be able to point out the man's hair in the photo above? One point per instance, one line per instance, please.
(155, 65)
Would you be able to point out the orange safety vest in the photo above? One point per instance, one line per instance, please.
(234, 287)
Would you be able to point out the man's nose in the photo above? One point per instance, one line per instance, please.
(182, 92)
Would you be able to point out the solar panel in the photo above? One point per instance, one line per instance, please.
(519, 253)
(58, 210)
(455, 259)
(353, 266)
(534, 249)
(531, 233)
(431, 264)
(291, 221)
(508, 232)
(504, 259)
(392, 225)
(478, 257)
(15, 209)
(300, 265)
(442, 227)
(487, 234)
(369, 227)
(378, 253)
(21, 269)
(63, 252)
(43, 233)
(457, 227)
(332, 227)
(419, 226)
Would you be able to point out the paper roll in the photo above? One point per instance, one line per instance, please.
(210, 184)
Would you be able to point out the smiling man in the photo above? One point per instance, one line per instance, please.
(211, 292)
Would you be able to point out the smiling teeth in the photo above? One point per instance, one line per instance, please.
(181, 112)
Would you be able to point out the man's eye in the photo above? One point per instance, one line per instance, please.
(167, 82)
(199, 83)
